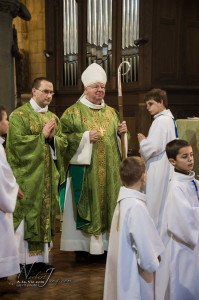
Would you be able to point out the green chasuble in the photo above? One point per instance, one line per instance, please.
(37, 174)
(100, 180)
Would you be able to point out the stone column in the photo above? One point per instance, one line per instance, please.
(9, 9)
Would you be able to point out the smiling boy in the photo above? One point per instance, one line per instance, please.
(177, 277)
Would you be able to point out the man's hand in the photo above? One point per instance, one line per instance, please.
(93, 136)
(49, 129)
(122, 128)
(20, 194)
(141, 137)
(52, 133)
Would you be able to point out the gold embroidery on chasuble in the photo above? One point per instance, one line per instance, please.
(101, 173)
(46, 203)
(34, 127)
(75, 111)
(100, 121)
(34, 253)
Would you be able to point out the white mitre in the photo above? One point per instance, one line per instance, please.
(93, 73)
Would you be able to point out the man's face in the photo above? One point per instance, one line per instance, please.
(184, 161)
(95, 92)
(154, 107)
(43, 95)
(4, 123)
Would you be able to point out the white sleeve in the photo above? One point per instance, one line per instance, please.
(183, 217)
(156, 141)
(145, 239)
(84, 151)
(8, 186)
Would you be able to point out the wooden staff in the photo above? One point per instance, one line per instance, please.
(120, 103)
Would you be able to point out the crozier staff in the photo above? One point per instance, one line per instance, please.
(120, 105)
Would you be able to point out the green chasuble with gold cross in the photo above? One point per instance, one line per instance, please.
(37, 174)
(100, 181)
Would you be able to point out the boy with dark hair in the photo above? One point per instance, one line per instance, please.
(134, 244)
(9, 263)
(157, 95)
(177, 277)
(173, 149)
(152, 149)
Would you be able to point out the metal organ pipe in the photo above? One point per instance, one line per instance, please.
(70, 42)
(99, 37)
(130, 32)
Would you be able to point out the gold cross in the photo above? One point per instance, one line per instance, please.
(102, 131)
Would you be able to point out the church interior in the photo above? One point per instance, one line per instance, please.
(58, 39)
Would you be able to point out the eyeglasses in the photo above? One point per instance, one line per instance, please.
(47, 92)
(97, 87)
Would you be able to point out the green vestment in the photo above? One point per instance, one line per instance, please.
(101, 181)
(37, 174)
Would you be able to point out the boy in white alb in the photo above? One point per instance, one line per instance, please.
(134, 244)
(178, 275)
(9, 263)
(152, 149)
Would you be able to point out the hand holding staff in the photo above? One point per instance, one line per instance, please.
(120, 103)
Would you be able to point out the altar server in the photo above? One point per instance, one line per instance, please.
(9, 263)
(152, 149)
(134, 244)
(177, 277)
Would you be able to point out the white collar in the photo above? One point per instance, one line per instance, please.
(183, 177)
(2, 140)
(36, 107)
(92, 105)
(130, 193)
(165, 112)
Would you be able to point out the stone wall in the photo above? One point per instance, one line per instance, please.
(31, 42)
(10, 58)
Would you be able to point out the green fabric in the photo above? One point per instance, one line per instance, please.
(77, 175)
(36, 172)
(62, 192)
(101, 180)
